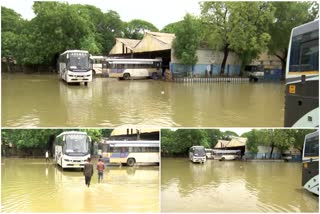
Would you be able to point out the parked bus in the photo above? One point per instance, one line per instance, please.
(223, 154)
(197, 154)
(134, 68)
(132, 152)
(97, 64)
(310, 162)
(302, 77)
(74, 66)
(72, 149)
(254, 72)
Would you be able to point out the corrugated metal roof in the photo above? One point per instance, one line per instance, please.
(234, 142)
(166, 38)
(222, 143)
(130, 43)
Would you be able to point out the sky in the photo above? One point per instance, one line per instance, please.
(158, 12)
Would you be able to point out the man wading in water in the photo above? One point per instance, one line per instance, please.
(100, 168)
(88, 172)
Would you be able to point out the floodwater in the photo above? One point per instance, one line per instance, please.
(45, 101)
(233, 186)
(31, 185)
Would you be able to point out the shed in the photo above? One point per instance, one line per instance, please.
(124, 46)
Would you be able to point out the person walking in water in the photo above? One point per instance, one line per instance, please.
(47, 156)
(88, 172)
(100, 168)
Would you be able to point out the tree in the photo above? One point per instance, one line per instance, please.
(136, 28)
(228, 134)
(253, 140)
(287, 16)
(186, 43)
(178, 142)
(167, 140)
(276, 138)
(213, 136)
(172, 27)
(11, 36)
(11, 21)
(29, 138)
(299, 135)
(238, 26)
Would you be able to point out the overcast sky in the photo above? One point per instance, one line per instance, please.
(158, 12)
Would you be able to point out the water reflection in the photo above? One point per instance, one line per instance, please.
(34, 186)
(36, 100)
(233, 187)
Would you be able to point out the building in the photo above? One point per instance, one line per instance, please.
(124, 46)
(239, 143)
(236, 143)
(159, 45)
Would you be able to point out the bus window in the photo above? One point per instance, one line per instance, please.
(304, 54)
(312, 147)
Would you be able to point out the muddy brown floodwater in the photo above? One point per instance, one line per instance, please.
(234, 187)
(31, 185)
(45, 101)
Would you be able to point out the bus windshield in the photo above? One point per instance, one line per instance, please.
(312, 147)
(199, 152)
(76, 144)
(79, 61)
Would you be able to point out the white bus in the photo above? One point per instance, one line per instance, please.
(197, 154)
(72, 149)
(223, 154)
(74, 66)
(310, 163)
(97, 64)
(132, 152)
(134, 68)
(302, 77)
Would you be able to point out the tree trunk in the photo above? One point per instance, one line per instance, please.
(272, 146)
(283, 60)
(225, 57)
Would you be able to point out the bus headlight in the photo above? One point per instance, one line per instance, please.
(305, 165)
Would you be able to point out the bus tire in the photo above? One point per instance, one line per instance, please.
(126, 76)
(131, 162)
(86, 83)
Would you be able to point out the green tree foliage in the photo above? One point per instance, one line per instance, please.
(253, 140)
(136, 28)
(57, 27)
(11, 21)
(40, 138)
(213, 136)
(187, 41)
(167, 141)
(178, 142)
(28, 138)
(287, 16)
(11, 35)
(95, 134)
(238, 26)
(106, 132)
(172, 27)
(229, 134)
(299, 135)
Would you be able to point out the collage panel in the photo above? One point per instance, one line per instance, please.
(80, 170)
(111, 62)
(139, 106)
(240, 170)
